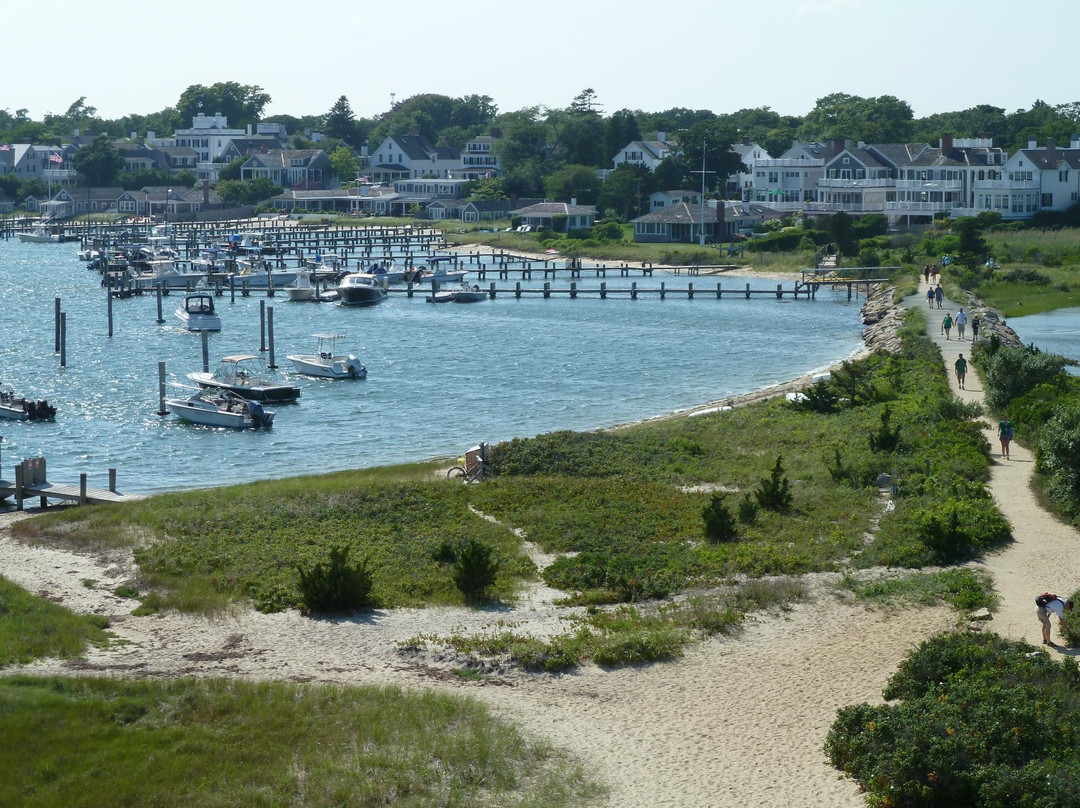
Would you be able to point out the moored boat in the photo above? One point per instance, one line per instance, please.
(302, 288)
(221, 408)
(360, 289)
(248, 377)
(326, 362)
(17, 408)
(196, 313)
(39, 235)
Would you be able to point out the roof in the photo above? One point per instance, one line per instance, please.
(680, 213)
(555, 209)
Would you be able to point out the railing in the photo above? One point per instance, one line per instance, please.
(1007, 185)
(854, 207)
(833, 182)
(790, 163)
(932, 207)
(929, 185)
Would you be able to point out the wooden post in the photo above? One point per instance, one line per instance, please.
(547, 289)
(159, 317)
(82, 488)
(517, 289)
(603, 290)
(491, 293)
(108, 308)
(690, 291)
(719, 292)
(56, 325)
(205, 339)
(633, 290)
(270, 329)
(262, 326)
(779, 291)
(63, 339)
(112, 480)
(161, 388)
(849, 292)
(20, 483)
(662, 290)
(573, 289)
(747, 291)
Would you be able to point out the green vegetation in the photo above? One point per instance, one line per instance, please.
(963, 589)
(975, 720)
(335, 584)
(32, 627)
(221, 743)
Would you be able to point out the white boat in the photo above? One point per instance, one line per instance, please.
(248, 377)
(302, 288)
(466, 293)
(196, 313)
(163, 272)
(40, 235)
(387, 271)
(326, 362)
(257, 273)
(437, 269)
(360, 289)
(89, 254)
(16, 408)
(223, 408)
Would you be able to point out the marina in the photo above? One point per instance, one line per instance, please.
(439, 378)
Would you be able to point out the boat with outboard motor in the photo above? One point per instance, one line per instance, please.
(248, 377)
(17, 408)
(196, 313)
(326, 362)
(222, 408)
(361, 289)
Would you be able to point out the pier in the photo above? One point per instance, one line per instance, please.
(30, 481)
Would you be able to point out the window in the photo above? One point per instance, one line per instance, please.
(774, 177)
(1063, 176)
(1048, 200)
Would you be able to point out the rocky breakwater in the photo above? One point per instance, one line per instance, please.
(883, 318)
(991, 322)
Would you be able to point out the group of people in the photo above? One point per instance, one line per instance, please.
(960, 321)
(935, 294)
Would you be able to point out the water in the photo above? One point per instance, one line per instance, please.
(1052, 331)
(441, 378)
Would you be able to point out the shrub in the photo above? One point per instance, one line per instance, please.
(335, 585)
(773, 493)
(1012, 372)
(748, 509)
(719, 523)
(957, 529)
(475, 567)
(1059, 457)
(818, 397)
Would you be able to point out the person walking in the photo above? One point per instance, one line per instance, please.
(926, 272)
(974, 328)
(1044, 605)
(946, 325)
(961, 370)
(961, 323)
(939, 295)
(930, 297)
(1005, 435)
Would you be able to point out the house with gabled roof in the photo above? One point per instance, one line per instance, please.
(648, 153)
(558, 216)
(479, 160)
(69, 202)
(662, 199)
(290, 168)
(720, 220)
(750, 154)
(1032, 180)
(789, 181)
(412, 156)
(862, 178)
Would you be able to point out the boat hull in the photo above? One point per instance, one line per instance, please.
(37, 238)
(252, 392)
(338, 367)
(199, 411)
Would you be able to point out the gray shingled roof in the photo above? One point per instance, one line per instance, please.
(555, 209)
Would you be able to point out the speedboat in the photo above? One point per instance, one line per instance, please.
(224, 408)
(196, 313)
(326, 362)
(257, 273)
(387, 271)
(302, 288)
(164, 273)
(360, 289)
(467, 294)
(23, 409)
(248, 377)
(39, 235)
(438, 268)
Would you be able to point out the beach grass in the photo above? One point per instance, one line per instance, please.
(964, 589)
(217, 743)
(32, 627)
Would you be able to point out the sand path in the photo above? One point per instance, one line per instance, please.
(738, 721)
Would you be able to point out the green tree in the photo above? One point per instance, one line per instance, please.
(492, 188)
(579, 131)
(343, 164)
(573, 181)
(99, 162)
(241, 104)
(340, 121)
(626, 190)
(885, 119)
(714, 139)
(246, 192)
(621, 128)
(842, 231)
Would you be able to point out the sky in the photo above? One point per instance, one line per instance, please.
(721, 55)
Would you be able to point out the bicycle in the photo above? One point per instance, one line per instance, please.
(474, 473)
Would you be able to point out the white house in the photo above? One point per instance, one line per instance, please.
(413, 155)
(750, 154)
(662, 199)
(648, 153)
(789, 181)
(1031, 180)
(478, 159)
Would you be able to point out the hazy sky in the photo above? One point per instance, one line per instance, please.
(723, 55)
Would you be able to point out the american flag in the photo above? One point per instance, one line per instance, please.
(55, 158)
(5, 147)
(363, 179)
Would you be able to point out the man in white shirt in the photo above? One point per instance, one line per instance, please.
(961, 323)
(1046, 603)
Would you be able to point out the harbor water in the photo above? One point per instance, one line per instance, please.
(441, 378)
(1055, 331)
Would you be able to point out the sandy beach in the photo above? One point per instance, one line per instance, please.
(739, 720)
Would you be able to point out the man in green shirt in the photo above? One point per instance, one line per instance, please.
(961, 370)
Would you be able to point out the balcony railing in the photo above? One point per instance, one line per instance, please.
(924, 207)
(929, 185)
(855, 207)
(1007, 185)
(789, 163)
(833, 182)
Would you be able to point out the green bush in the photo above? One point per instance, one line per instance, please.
(885, 438)
(719, 523)
(1012, 372)
(773, 492)
(475, 568)
(978, 721)
(1058, 452)
(748, 509)
(958, 529)
(336, 584)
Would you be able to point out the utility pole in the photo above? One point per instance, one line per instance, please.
(702, 172)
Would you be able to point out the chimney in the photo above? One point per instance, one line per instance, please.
(249, 130)
(662, 137)
(573, 201)
(1033, 144)
(496, 132)
(721, 219)
(946, 143)
(746, 141)
(836, 146)
(1051, 152)
(1074, 141)
(149, 134)
(414, 129)
(513, 201)
(206, 193)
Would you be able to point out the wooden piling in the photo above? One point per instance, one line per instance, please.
(63, 339)
(161, 389)
(270, 329)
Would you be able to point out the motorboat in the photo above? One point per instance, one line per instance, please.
(441, 296)
(40, 235)
(16, 408)
(248, 377)
(196, 313)
(326, 362)
(89, 254)
(466, 293)
(302, 288)
(361, 289)
(223, 408)
(387, 271)
(164, 273)
(438, 268)
(257, 273)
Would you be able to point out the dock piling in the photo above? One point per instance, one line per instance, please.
(161, 388)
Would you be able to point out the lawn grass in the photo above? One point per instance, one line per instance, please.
(32, 627)
(219, 744)
(1053, 254)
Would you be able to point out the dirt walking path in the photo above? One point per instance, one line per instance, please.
(1045, 554)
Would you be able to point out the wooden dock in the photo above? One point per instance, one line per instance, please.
(30, 482)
